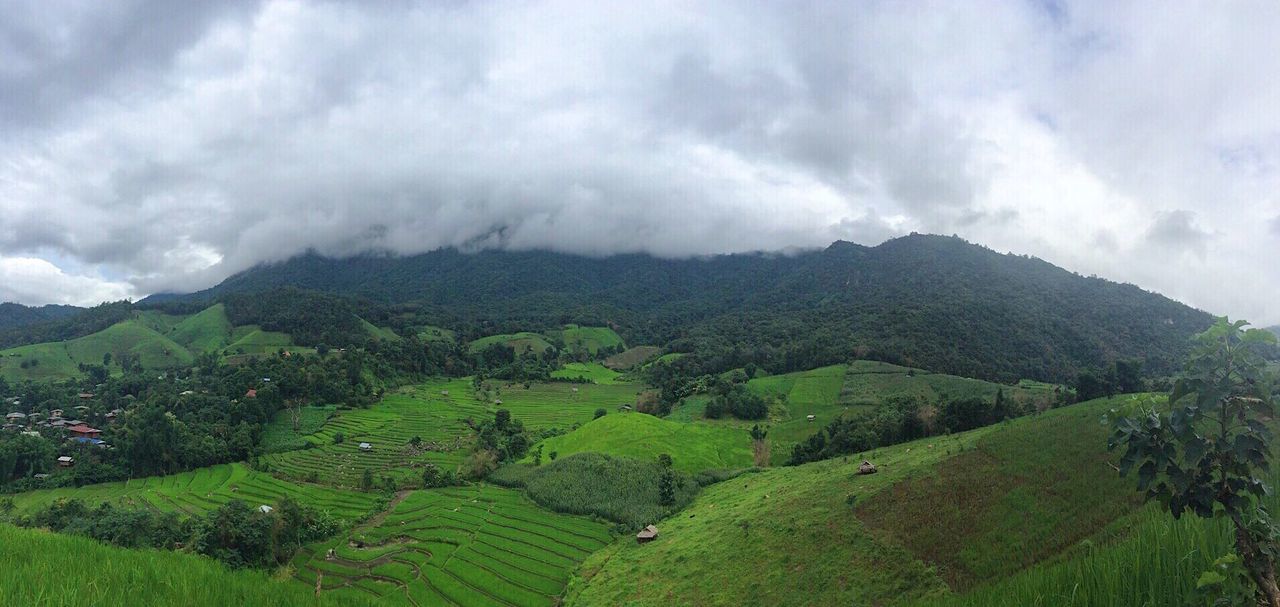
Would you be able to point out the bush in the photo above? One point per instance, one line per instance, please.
(600, 413)
(338, 438)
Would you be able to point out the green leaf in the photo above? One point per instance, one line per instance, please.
(1210, 578)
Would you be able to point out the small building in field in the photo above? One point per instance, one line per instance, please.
(867, 468)
(366, 447)
(648, 534)
(83, 431)
(86, 395)
(811, 417)
(265, 509)
(251, 393)
(66, 461)
(444, 393)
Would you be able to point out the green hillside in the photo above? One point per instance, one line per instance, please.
(42, 568)
(692, 447)
(595, 372)
(377, 332)
(206, 331)
(62, 359)
(587, 339)
(520, 342)
(631, 357)
(993, 500)
(250, 339)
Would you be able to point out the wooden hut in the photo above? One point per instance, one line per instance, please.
(648, 534)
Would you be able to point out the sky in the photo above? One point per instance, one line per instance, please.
(150, 146)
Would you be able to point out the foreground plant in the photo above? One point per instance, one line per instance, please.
(1208, 452)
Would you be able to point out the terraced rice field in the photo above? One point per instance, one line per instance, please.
(421, 411)
(438, 419)
(198, 491)
(468, 546)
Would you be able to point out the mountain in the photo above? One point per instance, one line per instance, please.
(18, 315)
(929, 301)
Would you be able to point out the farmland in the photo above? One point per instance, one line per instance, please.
(595, 372)
(201, 490)
(478, 545)
(439, 419)
(520, 342)
(279, 435)
(587, 340)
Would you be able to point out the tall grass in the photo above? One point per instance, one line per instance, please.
(53, 570)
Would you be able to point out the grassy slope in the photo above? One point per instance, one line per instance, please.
(206, 331)
(595, 372)
(430, 333)
(253, 340)
(378, 332)
(62, 359)
(789, 535)
(589, 339)
(693, 447)
(520, 342)
(631, 357)
(41, 568)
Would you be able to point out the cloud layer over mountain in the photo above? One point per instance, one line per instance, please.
(149, 146)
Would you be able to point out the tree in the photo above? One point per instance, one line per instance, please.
(1207, 454)
(600, 413)
(366, 480)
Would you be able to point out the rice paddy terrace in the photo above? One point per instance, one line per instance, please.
(196, 492)
(437, 413)
(469, 546)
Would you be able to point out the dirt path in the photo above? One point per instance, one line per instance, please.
(377, 519)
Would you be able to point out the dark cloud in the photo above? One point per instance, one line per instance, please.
(1177, 230)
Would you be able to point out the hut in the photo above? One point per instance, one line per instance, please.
(83, 431)
(265, 509)
(66, 461)
(55, 413)
(366, 447)
(251, 393)
(867, 468)
(86, 395)
(648, 534)
(811, 417)
(16, 416)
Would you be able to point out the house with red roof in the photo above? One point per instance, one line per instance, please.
(84, 431)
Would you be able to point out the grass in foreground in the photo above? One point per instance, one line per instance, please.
(49, 569)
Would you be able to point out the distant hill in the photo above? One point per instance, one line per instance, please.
(928, 301)
(17, 315)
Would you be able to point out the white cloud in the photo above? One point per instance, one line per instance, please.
(1082, 134)
(37, 281)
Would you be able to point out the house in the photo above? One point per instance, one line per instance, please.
(811, 417)
(10, 427)
(648, 534)
(66, 461)
(366, 447)
(251, 393)
(444, 393)
(31, 433)
(83, 431)
(16, 416)
(186, 393)
(55, 413)
(86, 395)
(265, 509)
(58, 423)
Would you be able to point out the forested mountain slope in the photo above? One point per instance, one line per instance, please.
(18, 315)
(930, 301)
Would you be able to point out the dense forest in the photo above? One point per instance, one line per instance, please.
(929, 301)
(18, 315)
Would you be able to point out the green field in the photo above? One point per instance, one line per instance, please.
(51, 569)
(560, 405)
(469, 546)
(692, 447)
(595, 372)
(198, 491)
(377, 332)
(785, 533)
(279, 435)
(250, 339)
(520, 342)
(587, 339)
(631, 357)
(430, 333)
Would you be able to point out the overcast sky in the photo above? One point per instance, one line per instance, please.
(155, 146)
